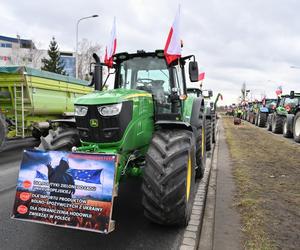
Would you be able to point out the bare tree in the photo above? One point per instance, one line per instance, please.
(27, 56)
(85, 51)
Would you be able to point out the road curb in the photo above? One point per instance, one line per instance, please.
(192, 233)
(206, 241)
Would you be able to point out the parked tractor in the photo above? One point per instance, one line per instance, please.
(253, 111)
(209, 114)
(286, 105)
(263, 110)
(291, 123)
(151, 123)
(30, 97)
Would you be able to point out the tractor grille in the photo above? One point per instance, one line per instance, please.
(108, 129)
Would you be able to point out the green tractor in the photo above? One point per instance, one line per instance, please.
(291, 123)
(150, 122)
(280, 116)
(210, 114)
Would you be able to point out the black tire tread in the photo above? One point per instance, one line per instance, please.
(277, 124)
(60, 139)
(164, 179)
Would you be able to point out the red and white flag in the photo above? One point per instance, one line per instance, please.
(201, 76)
(172, 49)
(278, 90)
(110, 50)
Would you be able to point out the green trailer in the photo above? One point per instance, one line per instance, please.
(29, 97)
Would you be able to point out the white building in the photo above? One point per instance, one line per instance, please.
(17, 51)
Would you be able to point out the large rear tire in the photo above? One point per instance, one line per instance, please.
(3, 131)
(60, 139)
(286, 130)
(262, 120)
(169, 177)
(269, 123)
(208, 134)
(277, 124)
(296, 127)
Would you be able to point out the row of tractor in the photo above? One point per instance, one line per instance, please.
(281, 115)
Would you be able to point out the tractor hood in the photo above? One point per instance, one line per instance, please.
(110, 96)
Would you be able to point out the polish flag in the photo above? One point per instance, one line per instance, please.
(278, 91)
(201, 76)
(172, 49)
(110, 50)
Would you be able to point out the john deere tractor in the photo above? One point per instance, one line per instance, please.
(150, 122)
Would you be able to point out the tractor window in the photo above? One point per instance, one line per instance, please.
(293, 102)
(150, 74)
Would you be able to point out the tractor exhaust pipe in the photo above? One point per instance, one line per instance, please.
(98, 71)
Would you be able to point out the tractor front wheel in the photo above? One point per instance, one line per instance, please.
(60, 139)
(262, 120)
(277, 124)
(169, 177)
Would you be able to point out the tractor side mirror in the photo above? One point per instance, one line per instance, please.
(292, 94)
(207, 93)
(193, 71)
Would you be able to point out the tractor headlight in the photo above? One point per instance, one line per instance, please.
(81, 110)
(110, 110)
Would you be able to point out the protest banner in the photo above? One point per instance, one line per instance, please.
(66, 189)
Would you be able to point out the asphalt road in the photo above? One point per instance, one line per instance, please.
(132, 231)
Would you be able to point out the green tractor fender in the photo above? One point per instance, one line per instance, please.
(197, 117)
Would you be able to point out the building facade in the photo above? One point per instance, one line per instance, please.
(17, 51)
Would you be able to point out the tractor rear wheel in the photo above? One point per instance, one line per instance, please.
(60, 139)
(256, 119)
(169, 177)
(296, 127)
(277, 124)
(3, 131)
(286, 129)
(208, 134)
(262, 120)
(269, 123)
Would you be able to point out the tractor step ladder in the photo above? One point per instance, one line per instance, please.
(19, 110)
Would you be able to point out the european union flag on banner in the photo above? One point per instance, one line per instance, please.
(39, 175)
(89, 176)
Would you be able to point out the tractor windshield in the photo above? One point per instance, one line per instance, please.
(145, 73)
(150, 74)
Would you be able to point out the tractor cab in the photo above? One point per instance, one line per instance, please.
(149, 72)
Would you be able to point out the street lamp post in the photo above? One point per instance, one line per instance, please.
(76, 58)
